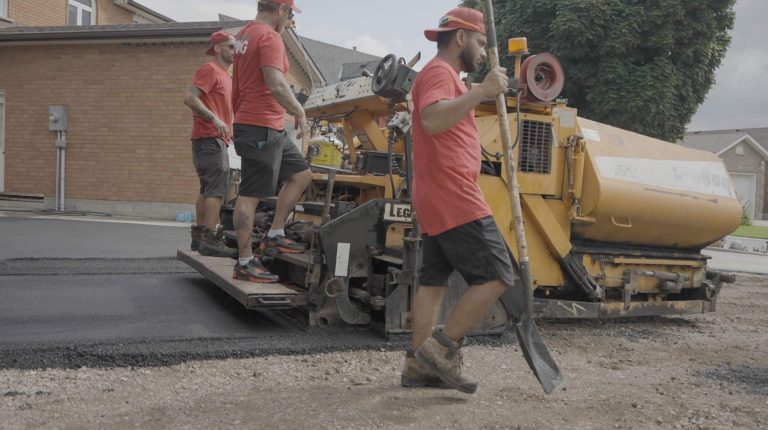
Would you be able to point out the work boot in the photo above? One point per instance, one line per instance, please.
(254, 271)
(280, 244)
(417, 375)
(212, 245)
(441, 354)
(197, 236)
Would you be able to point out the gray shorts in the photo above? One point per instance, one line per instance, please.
(476, 250)
(209, 156)
(269, 158)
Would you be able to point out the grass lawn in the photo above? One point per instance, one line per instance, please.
(751, 231)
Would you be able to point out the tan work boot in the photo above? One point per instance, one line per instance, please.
(442, 356)
(197, 237)
(417, 375)
(212, 245)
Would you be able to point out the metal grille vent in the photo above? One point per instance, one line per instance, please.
(536, 147)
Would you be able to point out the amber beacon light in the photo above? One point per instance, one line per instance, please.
(517, 46)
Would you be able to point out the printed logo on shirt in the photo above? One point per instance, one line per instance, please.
(241, 47)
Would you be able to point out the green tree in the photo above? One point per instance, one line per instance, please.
(641, 65)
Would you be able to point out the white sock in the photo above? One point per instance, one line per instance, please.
(273, 233)
(245, 261)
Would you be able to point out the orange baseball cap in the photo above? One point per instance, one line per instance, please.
(461, 18)
(290, 3)
(216, 38)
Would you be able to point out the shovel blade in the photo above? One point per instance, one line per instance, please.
(537, 355)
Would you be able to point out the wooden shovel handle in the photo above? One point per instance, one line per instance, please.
(513, 187)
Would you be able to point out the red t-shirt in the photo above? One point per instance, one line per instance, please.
(257, 46)
(446, 165)
(216, 86)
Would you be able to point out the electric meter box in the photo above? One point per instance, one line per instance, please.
(58, 117)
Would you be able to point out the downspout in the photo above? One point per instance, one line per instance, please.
(61, 163)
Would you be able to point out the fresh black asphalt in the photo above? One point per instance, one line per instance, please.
(96, 294)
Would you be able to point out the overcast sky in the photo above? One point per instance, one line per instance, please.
(739, 99)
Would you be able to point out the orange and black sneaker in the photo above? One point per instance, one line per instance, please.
(254, 271)
(280, 244)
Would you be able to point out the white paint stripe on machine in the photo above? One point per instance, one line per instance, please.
(342, 259)
(702, 177)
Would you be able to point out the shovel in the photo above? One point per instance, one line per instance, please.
(536, 353)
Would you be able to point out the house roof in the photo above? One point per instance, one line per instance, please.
(331, 58)
(719, 141)
(760, 135)
(712, 141)
(163, 30)
(354, 70)
(320, 58)
(295, 48)
(332, 62)
(167, 31)
(136, 7)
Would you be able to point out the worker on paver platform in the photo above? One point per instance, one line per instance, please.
(270, 159)
(210, 98)
(458, 231)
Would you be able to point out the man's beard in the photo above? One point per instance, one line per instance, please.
(468, 61)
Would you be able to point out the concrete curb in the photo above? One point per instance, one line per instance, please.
(711, 248)
(32, 214)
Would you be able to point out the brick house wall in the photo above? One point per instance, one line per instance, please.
(750, 162)
(54, 12)
(109, 13)
(129, 130)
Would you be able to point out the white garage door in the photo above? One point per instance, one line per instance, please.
(746, 188)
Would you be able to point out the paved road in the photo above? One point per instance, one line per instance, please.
(76, 293)
(62, 238)
(737, 261)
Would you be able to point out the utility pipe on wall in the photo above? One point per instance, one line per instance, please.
(58, 175)
(61, 163)
(58, 121)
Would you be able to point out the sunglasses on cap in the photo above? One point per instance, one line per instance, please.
(444, 21)
(290, 11)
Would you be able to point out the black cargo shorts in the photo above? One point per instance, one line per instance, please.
(269, 158)
(476, 250)
(211, 161)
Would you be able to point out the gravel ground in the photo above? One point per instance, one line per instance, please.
(698, 372)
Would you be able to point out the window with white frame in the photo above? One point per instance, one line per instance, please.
(4, 8)
(81, 12)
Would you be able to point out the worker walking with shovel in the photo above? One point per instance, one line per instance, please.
(458, 230)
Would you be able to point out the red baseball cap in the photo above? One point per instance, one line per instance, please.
(290, 3)
(457, 19)
(216, 38)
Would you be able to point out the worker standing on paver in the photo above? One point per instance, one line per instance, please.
(270, 159)
(210, 98)
(459, 232)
